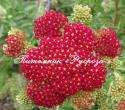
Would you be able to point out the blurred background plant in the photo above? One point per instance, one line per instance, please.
(20, 14)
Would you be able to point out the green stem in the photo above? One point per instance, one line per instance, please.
(116, 20)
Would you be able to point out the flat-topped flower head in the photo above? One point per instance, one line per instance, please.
(51, 83)
(64, 77)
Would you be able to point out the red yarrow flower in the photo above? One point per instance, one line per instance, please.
(44, 95)
(68, 76)
(107, 43)
(49, 24)
(15, 44)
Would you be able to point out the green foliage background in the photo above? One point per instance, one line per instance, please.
(21, 14)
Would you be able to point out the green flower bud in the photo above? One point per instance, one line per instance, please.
(22, 98)
(83, 99)
(81, 14)
(112, 63)
(117, 91)
(116, 63)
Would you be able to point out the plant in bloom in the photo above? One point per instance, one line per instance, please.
(50, 84)
(64, 79)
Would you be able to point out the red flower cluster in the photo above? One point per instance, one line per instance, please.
(58, 67)
(15, 44)
(64, 79)
(107, 43)
(44, 95)
(81, 34)
(49, 24)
